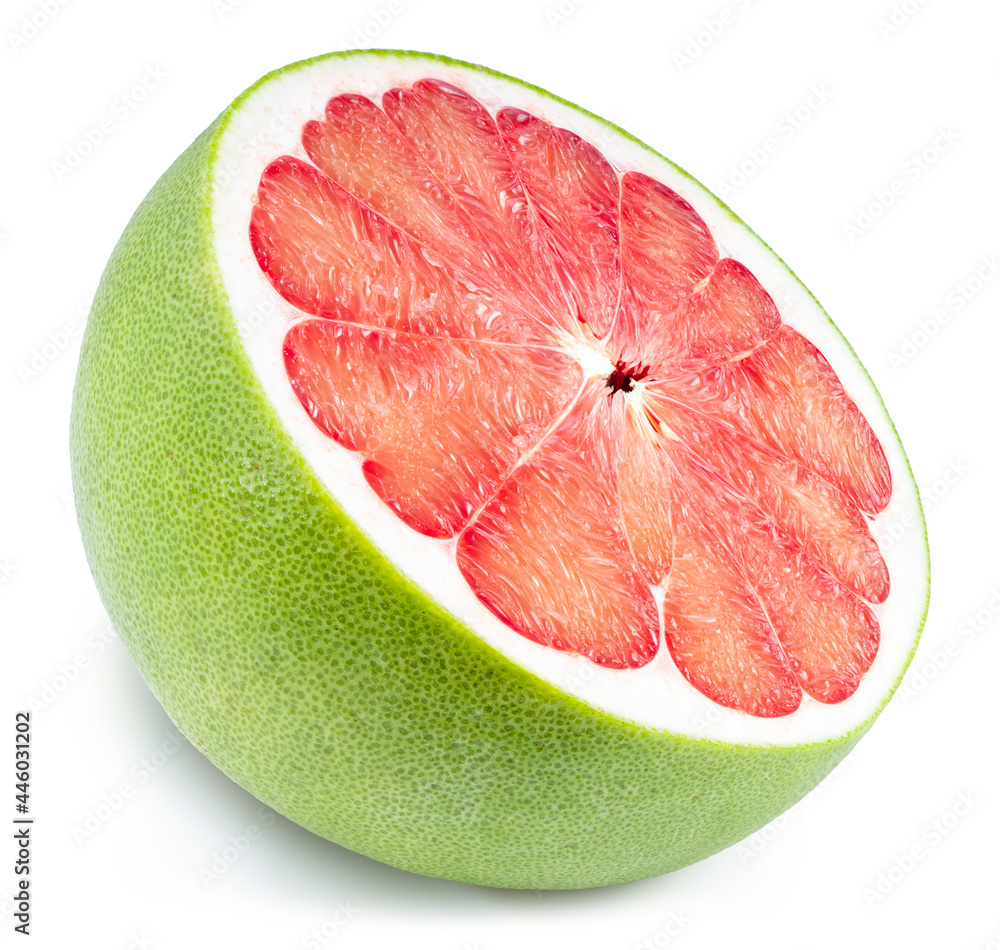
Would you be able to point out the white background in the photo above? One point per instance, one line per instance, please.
(927, 87)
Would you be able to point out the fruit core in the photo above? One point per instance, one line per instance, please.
(543, 360)
(624, 377)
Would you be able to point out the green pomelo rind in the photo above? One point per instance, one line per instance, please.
(283, 645)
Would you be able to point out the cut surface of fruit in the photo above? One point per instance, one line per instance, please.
(545, 358)
(573, 399)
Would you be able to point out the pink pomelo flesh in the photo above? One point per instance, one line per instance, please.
(543, 359)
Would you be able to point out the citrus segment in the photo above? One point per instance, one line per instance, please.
(644, 498)
(330, 256)
(460, 145)
(727, 316)
(548, 553)
(574, 193)
(767, 582)
(484, 235)
(436, 429)
(717, 630)
(808, 509)
(666, 250)
(787, 395)
(458, 142)
(358, 146)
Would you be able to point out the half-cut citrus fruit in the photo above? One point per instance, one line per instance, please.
(474, 488)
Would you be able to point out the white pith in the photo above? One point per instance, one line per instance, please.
(268, 124)
(593, 358)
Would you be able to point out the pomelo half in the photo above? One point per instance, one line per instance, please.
(474, 488)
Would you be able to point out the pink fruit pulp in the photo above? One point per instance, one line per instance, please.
(707, 487)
